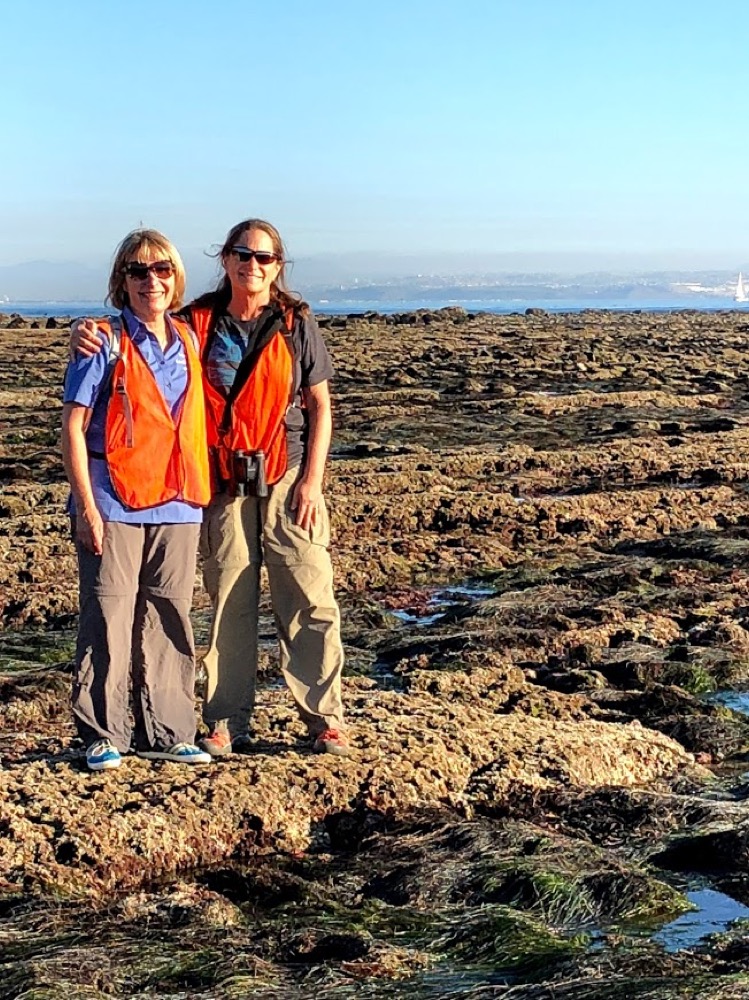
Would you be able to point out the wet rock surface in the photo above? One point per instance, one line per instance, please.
(541, 530)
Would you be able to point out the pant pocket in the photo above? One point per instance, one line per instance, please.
(320, 530)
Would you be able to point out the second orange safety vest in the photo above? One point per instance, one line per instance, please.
(257, 418)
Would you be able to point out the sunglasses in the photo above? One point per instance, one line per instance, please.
(139, 272)
(244, 255)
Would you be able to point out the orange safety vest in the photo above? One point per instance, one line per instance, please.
(256, 418)
(151, 457)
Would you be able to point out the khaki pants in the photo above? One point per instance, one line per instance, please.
(239, 534)
(134, 631)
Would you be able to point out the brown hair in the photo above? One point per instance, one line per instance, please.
(144, 243)
(280, 294)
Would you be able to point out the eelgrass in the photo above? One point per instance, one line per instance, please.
(196, 969)
(570, 885)
(690, 986)
(70, 991)
(506, 940)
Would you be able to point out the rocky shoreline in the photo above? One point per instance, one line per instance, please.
(541, 529)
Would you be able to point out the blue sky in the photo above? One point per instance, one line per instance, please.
(403, 125)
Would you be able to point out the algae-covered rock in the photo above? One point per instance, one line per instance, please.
(593, 754)
(84, 833)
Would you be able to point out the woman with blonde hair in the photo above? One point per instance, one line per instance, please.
(134, 449)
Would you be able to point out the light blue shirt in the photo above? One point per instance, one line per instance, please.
(83, 384)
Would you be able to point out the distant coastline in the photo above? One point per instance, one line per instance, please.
(342, 287)
(39, 310)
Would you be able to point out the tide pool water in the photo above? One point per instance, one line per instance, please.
(714, 913)
(737, 700)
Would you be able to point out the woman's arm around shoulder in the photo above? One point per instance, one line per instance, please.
(86, 338)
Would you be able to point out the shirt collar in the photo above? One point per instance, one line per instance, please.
(137, 328)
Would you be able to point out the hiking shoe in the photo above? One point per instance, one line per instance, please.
(332, 741)
(103, 756)
(219, 743)
(180, 753)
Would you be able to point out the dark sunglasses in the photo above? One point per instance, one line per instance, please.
(244, 255)
(139, 272)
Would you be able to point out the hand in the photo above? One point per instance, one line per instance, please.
(306, 500)
(85, 338)
(89, 530)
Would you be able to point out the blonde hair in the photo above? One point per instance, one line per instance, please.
(140, 245)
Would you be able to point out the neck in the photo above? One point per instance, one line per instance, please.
(155, 323)
(244, 305)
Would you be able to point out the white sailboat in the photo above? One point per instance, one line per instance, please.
(740, 293)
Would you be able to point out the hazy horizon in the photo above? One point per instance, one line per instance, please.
(333, 274)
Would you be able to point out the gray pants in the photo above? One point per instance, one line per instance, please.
(239, 534)
(134, 631)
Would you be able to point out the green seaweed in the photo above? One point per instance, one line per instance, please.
(196, 969)
(507, 940)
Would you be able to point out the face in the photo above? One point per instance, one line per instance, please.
(252, 277)
(151, 295)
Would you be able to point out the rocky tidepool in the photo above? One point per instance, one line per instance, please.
(541, 531)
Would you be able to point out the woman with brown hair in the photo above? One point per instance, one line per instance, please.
(266, 372)
(134, 449)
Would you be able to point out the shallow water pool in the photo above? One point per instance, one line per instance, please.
(715, 912)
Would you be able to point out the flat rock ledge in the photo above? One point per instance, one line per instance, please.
(78, 834)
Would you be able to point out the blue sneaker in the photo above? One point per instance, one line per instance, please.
(103, 756)
(180, 753)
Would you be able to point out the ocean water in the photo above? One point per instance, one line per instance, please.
(703, 303)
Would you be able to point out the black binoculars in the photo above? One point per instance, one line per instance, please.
(248, 474)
